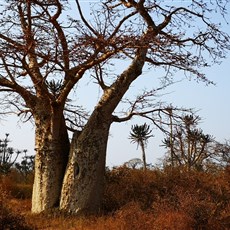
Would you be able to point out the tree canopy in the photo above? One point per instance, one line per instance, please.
(46, 51)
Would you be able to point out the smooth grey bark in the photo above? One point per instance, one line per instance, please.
(52, 149)
(83, 184)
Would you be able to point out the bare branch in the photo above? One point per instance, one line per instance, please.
(84, 20)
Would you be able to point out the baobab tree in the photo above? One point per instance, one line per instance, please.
(45, 53)
(140, 134)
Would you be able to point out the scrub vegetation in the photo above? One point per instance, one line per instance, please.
(168, 198)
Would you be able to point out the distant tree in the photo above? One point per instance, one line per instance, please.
(26, 166)
(140, 135)
(134, 163)
(8, 155)
(190, 146)
(222, 153)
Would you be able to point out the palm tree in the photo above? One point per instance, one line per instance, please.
(140, 135)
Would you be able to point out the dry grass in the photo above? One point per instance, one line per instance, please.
(139, 200)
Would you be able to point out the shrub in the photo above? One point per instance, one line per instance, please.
(200, 200)
(173, 220)
(22, 191)
(132, 216)
(137, 199)
(14, 184)
(125, 185)
(8, 219)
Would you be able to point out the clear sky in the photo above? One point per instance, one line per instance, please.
(212, 103)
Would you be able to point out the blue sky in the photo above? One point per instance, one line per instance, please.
(212, 103)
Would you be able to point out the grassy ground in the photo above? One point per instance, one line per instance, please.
(174, 200)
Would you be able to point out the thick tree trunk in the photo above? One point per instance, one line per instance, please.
(52, 149)
(83, 184)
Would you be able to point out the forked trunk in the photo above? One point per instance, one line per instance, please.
(52, 149)
(83, 184)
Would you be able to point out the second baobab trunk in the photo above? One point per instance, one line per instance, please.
(83, 184)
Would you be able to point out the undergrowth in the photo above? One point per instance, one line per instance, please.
(135, 199)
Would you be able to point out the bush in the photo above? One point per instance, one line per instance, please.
(125, 185)
(22, 191)
(8, 219)
(173, 220)
(137, 199)
(13, 184)
(185, 200)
